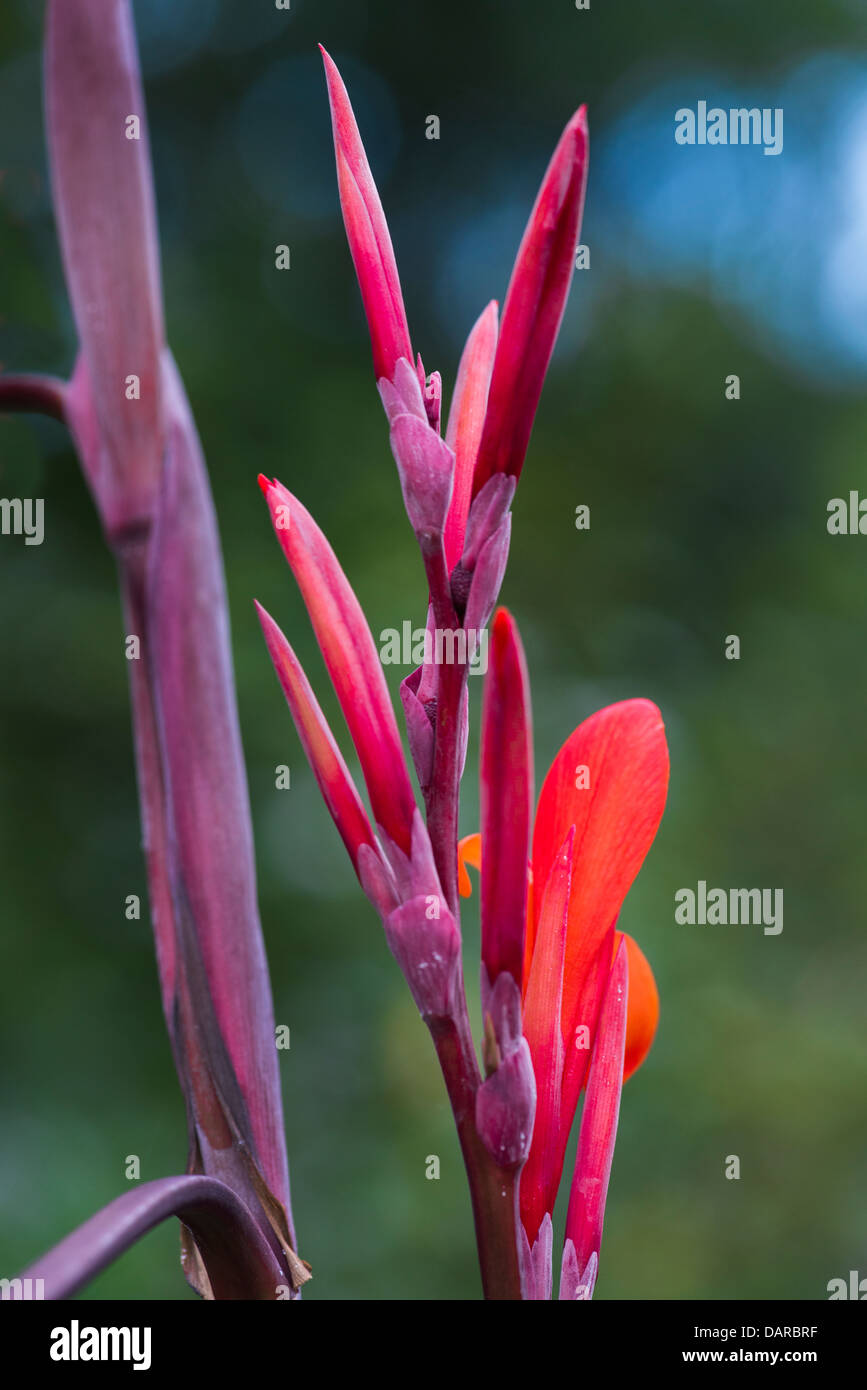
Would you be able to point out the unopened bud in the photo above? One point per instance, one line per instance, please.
(506, 1108)
(419, 729)
(536, 1267)
(423, 938)
(487, 578)
(433, 400)
(426, 467)
(486, 516)
(403, 394)
(577, 1285)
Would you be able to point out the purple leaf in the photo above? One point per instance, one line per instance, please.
(210, 846)
(104, 204)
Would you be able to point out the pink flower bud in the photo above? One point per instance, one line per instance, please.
(423, 938)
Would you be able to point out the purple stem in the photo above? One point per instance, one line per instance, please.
(493, 1190)
(40, 395)
(442, 805)
(443, 795)
(238, 1259)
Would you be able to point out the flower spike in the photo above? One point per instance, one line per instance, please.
(367, 233)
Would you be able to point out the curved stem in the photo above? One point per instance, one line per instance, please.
(33, 394)
(238, 1259)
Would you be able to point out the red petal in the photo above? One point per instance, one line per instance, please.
(323, 755)
(534, 306)
(599, 1120)
(542, 1029)
(367, 233)
(352, 660)
(506, 800)
(466, 421)
(616, 816)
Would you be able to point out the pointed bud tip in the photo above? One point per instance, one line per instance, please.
(336, 86)
(489, 319)
(274, 637)
(501, 622)
(572, 148)
(567, 847)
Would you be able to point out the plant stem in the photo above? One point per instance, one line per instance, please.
(27, 392)
(493, 1190)
(442, 808)
(236, 1253)
(442, 798)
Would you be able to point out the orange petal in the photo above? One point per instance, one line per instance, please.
(643, 1012)
(469, 852)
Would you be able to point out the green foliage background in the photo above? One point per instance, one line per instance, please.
(708, 518)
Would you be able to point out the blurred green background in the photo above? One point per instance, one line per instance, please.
(708, 518)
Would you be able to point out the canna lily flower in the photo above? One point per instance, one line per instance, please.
(569, 1003)
(549, 904)
(555, 973)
